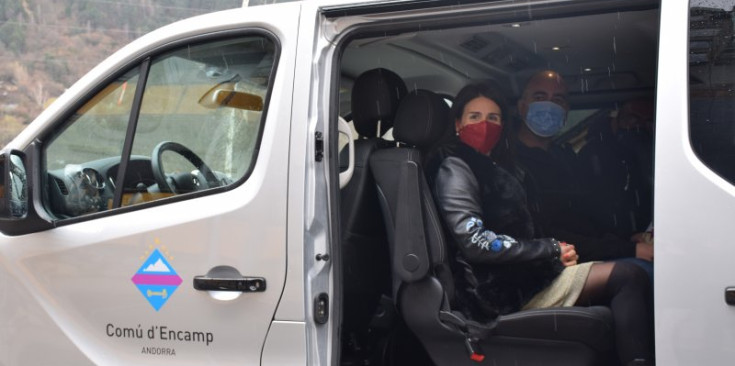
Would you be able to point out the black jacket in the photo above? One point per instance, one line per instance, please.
(620, 177)
(560, 204)
(498, 266)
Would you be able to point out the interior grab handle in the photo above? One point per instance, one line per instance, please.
(345, 176)
(226, 278)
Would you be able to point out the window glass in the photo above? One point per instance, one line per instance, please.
(576, 116)
(197, 128)
(201, 104)
(92, 139)
(711, 85)
(97, 129)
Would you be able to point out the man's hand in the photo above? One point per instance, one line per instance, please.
(645, 237)
(643, 250)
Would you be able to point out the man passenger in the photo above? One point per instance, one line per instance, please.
(618, 163)
(556, 194)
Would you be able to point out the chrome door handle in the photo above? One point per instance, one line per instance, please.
(226, 278)
(730, 295)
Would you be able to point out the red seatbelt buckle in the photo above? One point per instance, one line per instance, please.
(474, 350)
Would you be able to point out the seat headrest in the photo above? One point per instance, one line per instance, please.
(421, 119)
(375, 97)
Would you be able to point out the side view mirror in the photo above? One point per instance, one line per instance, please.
(13, 186)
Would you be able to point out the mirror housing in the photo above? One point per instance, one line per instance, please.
(13, 186)
(18, 185)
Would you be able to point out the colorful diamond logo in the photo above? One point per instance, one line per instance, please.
(156, 280)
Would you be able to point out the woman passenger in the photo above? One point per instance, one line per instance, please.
(500, 266)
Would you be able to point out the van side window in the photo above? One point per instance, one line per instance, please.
(195, 126)
(712, 88)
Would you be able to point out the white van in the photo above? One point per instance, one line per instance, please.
(185, 203)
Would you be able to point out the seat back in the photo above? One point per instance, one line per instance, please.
(413, 226)
(422, 281)
(375, 97)
(366, 276)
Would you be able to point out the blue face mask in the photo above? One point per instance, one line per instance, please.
(545, 118)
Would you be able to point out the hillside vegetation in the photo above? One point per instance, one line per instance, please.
(46, 45)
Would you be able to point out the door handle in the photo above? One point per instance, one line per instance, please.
(730, 295)
(226, 278)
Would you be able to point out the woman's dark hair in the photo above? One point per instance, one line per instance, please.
(503, 151)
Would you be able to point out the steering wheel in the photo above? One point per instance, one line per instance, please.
(187, 181)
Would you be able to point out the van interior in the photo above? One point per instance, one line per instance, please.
(606, 51)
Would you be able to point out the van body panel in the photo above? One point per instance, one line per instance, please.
(83, 282)
(693, 208)
(24, 333)
(315, 119)
(70, 294)
(301, 172)
(285, 345)
(59, 268)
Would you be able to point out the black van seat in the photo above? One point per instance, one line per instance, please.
(375, 97)
(422, 282)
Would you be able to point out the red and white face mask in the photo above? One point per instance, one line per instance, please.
(481, 136)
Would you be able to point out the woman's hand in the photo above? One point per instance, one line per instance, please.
(569, 255)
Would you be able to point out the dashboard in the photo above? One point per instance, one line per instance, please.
(89, 187)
